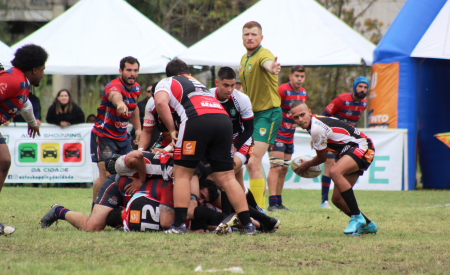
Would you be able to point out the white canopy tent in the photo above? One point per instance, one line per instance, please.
(435, 43)
(91, 37)
(299, 32)
(6, 55)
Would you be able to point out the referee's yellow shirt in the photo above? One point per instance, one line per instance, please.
(260, 85)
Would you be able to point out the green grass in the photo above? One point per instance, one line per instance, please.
(413, 239)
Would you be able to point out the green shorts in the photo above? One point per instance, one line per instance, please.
(267, 123)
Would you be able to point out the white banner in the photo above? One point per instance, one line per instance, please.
(57, 156)
(63, 155)
(385, 173)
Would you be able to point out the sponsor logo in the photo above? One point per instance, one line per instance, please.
(113, 200)
(211, 104)
(370, 154)
(107, 152)
(121, 124)
(189, 147)
(233, 112)
(262, 131)
(135, 216)
(346, 103)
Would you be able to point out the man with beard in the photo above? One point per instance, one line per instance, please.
(118, 107)
(259, 76)
(15, 83)
(347, 107)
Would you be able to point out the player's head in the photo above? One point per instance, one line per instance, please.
(110, 164)
(114, 218)
(252, 35)
(301, 114)
(31, 60)
(361, 87)
(209, 191)
(176, 67)
(225, 82)
(297, 76)
(129, 70)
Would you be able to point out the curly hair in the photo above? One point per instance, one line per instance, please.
(212, 187)
(29, 57)
(114, 218)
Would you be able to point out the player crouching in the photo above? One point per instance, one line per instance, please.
(356, 152)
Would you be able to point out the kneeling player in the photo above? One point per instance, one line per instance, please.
(356, 152)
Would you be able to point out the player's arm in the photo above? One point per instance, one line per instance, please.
(136, 122)
(28, 115)
(116, 99)
(149, 125)
(333, 107)
(162, 100)
(272, 66)
(135, 159)
(166, 216)
(246, 134)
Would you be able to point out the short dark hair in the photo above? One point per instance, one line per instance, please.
(176, 67)
(252, 24)
(226, 73)
(213, 190)
(297, 103)
(29, 57)
(129, 60)
(298, 68)
(114, 218)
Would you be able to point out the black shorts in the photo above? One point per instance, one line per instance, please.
(362, 157)
(206, 137)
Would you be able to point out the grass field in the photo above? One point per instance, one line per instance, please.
(414, 238)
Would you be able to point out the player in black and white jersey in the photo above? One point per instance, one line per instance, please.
(239, 108)
(355, 151)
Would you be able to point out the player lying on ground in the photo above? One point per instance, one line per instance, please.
(356, 152)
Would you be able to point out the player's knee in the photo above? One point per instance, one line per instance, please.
(335, 173)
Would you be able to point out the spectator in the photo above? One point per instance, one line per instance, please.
(64, 112)
(91, 118)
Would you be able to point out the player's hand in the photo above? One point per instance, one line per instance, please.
(122, 109)
(276, 67)
(303, 167)
(33, 131)
(6, 123)
(138, 136)
(135, 185)
(174, 136)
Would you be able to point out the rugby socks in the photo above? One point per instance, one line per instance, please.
(61, 212)
(255, 214)
(258, 188)
(180, 216)
(250, 198)
(349, 198)
(273, 200)
(326, 182)
(244, 217)
(280, 200)
(226, 204)
(204, 213)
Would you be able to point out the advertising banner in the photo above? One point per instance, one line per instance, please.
(385, 173)
(384, 96)
(57, 156)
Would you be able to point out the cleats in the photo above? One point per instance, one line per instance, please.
(224, 227)
(273, 208)
(248, 229)
(326, 205)
(282, 207)
(371, 228)
(6, 230)
(50, 217)
(356, 222)
(180, 230)
(272, 226)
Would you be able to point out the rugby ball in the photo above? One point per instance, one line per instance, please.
(312, 172)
